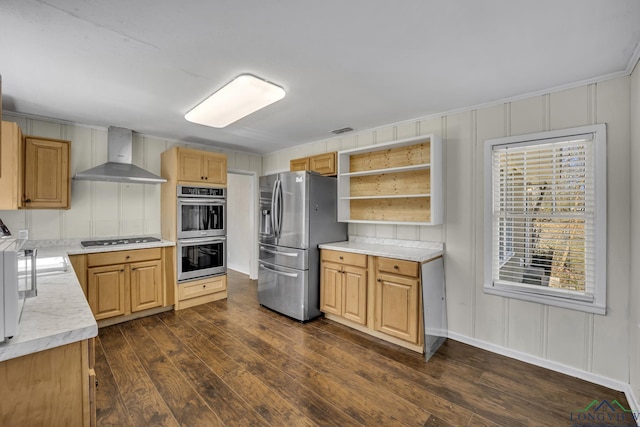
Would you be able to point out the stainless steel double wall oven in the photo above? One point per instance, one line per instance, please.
(202, 232)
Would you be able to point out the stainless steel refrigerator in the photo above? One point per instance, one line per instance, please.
(298, 211)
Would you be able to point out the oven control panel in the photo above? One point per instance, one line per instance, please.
(188, 191)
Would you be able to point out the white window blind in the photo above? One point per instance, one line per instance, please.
(544, 218)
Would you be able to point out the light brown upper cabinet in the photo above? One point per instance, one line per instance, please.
(35, 171)
(397, 182)
(196, 166)
(324, 164)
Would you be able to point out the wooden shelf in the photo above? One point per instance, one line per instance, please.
(388, 170)
(397, 182)
(389, 196)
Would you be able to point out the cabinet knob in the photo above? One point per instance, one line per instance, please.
(204, 286)
(122, 271)
(202, 177)
(133, 269)
(127, 257)
(341, 257)
(379, 280)
(206, 177)
(396, 267)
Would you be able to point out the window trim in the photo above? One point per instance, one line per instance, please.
(597, 304)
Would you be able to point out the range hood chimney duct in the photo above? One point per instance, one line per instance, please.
(119, 167)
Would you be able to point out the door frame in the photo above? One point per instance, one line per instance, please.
(253, 219)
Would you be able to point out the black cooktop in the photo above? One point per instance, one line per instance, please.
(127, 241)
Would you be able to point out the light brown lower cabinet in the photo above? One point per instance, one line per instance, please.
(344, 287)
(50, 387)
(397, 306)
(201, 291)
(376, 295)
(122, 283)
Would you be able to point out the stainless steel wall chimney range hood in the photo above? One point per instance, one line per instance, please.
(119, 166)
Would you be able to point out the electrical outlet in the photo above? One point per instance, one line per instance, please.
(23, 234)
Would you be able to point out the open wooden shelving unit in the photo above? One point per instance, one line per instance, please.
(398, 182)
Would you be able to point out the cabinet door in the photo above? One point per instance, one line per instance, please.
(297, 165)
(215, 169)
(106, 291)
(46, 174)
(12, 164)
(354, 294)
(324, 164)
(190, 166)
(397, 306)
(331, 288)
(146, 285)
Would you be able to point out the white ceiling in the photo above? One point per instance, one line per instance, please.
(142, 64)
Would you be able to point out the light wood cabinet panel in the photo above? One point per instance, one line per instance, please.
(106, 291)
(49, 387)
(215, 167)
(35, 171)
(354, 294)
(46, 178)
(190, 166)
(343, 287)
(349, 258)
(398, 266)
(201, 167)
(297, 165)
(397, 306)
(79, 264)
(198, 292)
(146, 285)
(324, 164)
(331, 288)
(120, 257)
(11, 179)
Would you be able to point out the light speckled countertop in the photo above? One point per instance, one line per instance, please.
(410, 250)
(60, 314)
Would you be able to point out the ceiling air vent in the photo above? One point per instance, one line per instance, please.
(343, 130)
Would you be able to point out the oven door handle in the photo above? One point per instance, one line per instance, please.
(201, 241)
(289, 254)
(281, 273)
(201, 202)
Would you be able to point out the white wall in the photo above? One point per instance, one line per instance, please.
(104, 209)
(634, 301)
(583, 342)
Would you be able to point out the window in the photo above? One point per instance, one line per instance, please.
(545, 218)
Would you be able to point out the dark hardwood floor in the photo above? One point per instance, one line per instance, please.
(234, 363)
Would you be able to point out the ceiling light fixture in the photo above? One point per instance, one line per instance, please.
(239, 98)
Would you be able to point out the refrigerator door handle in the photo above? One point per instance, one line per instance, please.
(280, 210)
(281, 273)
(290, 254)
(273, 209)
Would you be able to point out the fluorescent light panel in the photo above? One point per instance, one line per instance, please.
(239, 98)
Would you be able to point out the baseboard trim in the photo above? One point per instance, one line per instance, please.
(553, 366)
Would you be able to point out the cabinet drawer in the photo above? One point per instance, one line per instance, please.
(398, 266)
(120, 257)
(201, 287)
(349, 258)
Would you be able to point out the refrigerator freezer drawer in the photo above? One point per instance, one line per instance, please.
(285, 290)
(287, 257)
